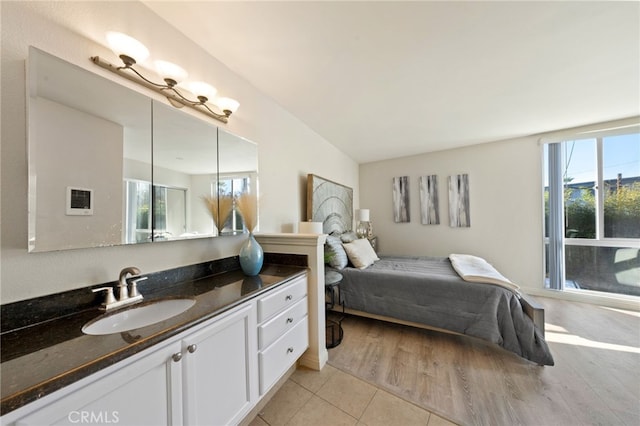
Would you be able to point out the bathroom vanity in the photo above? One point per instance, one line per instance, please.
(211, 364)
(208, 365)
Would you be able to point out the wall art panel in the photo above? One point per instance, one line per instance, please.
(429, 206)
(401, 199)
(330, 203)
(459, 215)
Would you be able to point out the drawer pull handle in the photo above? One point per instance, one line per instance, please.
(289, 297)
(289, 320)
(177, 356)
(192, 348)
(289, 350)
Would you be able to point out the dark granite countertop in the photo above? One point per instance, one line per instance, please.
(38, 359)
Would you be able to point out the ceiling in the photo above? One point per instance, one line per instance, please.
(381, 80)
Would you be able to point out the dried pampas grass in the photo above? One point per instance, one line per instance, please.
(247, 205)
(225, 205)
(219, 207)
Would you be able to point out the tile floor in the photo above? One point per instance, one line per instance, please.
(333, 397)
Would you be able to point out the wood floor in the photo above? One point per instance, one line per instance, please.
(595, 380)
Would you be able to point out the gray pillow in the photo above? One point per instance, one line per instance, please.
(348, 237)
(334, 252)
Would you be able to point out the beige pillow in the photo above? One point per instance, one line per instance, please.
(360, 253)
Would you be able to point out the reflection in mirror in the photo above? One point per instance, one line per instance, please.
(137, 210)
(86, 136)
(185, 167)
(90, 164)
(237, 177)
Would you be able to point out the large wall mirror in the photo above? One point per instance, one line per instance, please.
(86, 136)
(109, 166)
(185, 170)
(237, 177)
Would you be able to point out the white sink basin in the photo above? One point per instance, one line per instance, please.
(137, 316)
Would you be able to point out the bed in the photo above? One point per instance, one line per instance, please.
(427, 292)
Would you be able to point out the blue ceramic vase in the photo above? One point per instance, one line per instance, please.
(251, 257)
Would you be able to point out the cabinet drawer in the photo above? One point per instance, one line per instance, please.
(277, 358)
(282, 298)
(281, 323)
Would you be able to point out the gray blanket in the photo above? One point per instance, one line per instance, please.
(429, 291)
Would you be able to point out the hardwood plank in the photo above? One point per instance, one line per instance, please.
(596, 379)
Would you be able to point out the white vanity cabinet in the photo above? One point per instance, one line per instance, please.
(137, 392)
(283, 331)
(212, 374)
(219, 370)
(207, 376)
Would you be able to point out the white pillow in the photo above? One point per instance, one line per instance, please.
(360, 253)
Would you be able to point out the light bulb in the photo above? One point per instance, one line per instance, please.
(127, 48)
(201, 89)
(170, 72)
(227, 105)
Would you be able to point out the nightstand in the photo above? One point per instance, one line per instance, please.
(374, 242)
(334, 331)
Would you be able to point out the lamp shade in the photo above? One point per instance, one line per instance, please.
(170, 70)
(200, 88)
(310, 228)
(363, 215)
(122, 44)
(227, 104)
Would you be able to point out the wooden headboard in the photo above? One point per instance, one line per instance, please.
(330, 203)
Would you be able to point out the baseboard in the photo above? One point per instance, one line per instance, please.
(313, 361)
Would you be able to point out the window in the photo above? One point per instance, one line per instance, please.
(170, 212)
(592, 212)
(233, 187)
(169, 207)
(621, 207)
(137, 211)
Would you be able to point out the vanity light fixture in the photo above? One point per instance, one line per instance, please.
(131, 51)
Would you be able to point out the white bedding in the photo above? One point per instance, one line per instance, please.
(476, 269)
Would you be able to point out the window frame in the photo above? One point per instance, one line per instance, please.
(597, 132)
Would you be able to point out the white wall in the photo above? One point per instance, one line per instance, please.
(96, 145)
(199, 217)
(506, 216)
(74, 31)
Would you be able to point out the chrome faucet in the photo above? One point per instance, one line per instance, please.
(126, 296)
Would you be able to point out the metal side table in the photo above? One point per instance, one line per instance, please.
(334, 333)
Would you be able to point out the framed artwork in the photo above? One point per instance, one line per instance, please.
(459, 215)
(401, 199)
(429, 208)
(330, 203)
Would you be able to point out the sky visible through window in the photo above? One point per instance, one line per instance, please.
(621, 154)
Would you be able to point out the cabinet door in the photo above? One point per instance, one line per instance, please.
(219, 370)
(143, 392)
